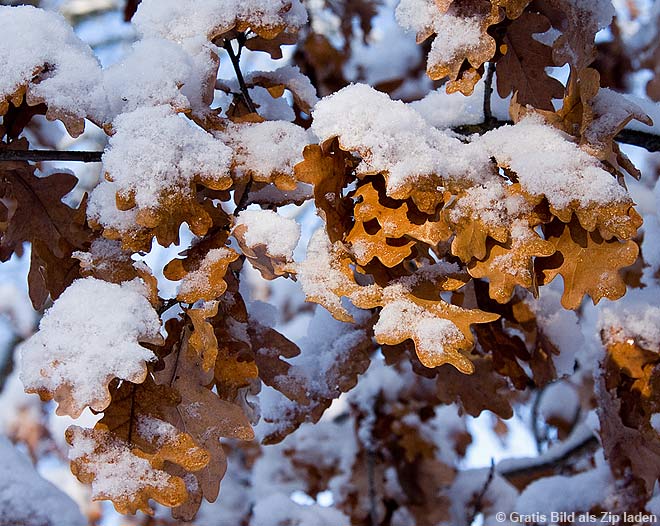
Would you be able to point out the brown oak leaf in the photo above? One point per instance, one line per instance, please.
(588, 263)
(522, 68)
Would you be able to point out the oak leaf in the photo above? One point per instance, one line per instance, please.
(203, 340)
(588, 263)
(522, 68)
(128, 476)
(398, 218)
(512, 264)
(367, 245)
(441, 331)
(482, 390)
(77, 353)
(202, 276)
(204, 415)
(328, 167)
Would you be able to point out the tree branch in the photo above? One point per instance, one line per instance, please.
(478, 501)
(235, 61)
(648, 141)
(488, 92)
(50, 155)
(520, 474)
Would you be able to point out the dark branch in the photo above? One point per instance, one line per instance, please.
(479, 500)
(235, 61)
(548, 464)
(644, 140)
(245, 196)
(648, 141)
(538, 438)
(488, 91)
(50, 155)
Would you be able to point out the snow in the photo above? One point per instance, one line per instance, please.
(318, 274)
(151, 74)
(292, 78)
(118, 472)
(74, 72)
(560, 400)
(391, 137)
(267, 149)
(181, 20)
(27, 499)
(198, 282)
(279, 234)
(561, 326)
(567, 493)
(455, 34)
(400, 317)
(635, 318)
(490, 203)
(79, 348)
(278, 509)
(548, 164)
(153, 152)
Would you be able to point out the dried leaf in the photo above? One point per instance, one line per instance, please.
(588, 263)
(327, 167)
(512, 264)
(134, 478)
(202, 276)
(522, 68)
(482, 390)
(203, 340)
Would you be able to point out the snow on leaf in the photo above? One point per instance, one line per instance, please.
(80, 349)
(187, 20)
(441, 331)
(201, 278)
(267, 151)
(121, 474)
(154, 162)
(61, 72)
(268, 240)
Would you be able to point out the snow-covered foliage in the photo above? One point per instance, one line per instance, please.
(310, 277)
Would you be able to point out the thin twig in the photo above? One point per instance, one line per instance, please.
(488, 91)
(167, 305)
(243, 201)
(519, 476)
(648, 141)
(535, 421)
(371, 468)
(50, 155)
(479, 500)
(235, 61)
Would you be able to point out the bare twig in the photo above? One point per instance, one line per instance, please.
(479, 499)
(644, 140)
(243, 201)
(488, 91)
(520, 475)
(371, 467)
(235, 61)
(50, 155)
(535, 421)
(648, 141)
